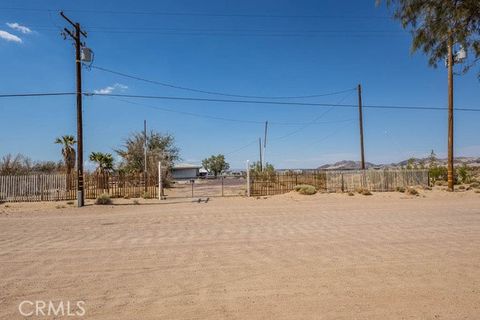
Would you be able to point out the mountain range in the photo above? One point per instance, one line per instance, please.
(416, 162)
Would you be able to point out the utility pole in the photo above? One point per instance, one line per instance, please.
(265, 145)
(76, 36)
(450, 168)
(145, 154)
(360, 119)
(260, 149)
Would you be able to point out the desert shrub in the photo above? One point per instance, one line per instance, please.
(463, 173)
(411, 191)
(438, 173)
(136, 202)
(366, 192)
(70, 203)
(363, 191)
(145, 195)
(103, 199)
(351, 194)
(400, 189)
(462, 187)
(126, 197)
(305, 189)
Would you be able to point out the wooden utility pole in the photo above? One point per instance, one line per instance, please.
(260, 149)
(450, 168)
(265, 145)
(76, 36)
(145, 146)
(360, 119)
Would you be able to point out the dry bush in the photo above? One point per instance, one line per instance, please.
(305, 189)
(351, 194)
(366, 192)
(363, 191)
(103, 199)
(411, 191)
(400, 189)
(136, 202)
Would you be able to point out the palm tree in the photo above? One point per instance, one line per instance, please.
(104, 163)
(68, 153)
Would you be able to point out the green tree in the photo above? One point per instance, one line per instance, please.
(68, 152)
(160, 147)
(437, 24)
(104, 161)
(266, 172)
(215, 164)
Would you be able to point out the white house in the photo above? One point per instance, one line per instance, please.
(185, 171)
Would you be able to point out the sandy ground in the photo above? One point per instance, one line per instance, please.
(328, 256)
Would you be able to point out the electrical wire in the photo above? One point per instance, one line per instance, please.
(308, 124)
(223, 118)
(241, 148)
(197, 14)
(18, 95)
(283, 103)
(216, 92)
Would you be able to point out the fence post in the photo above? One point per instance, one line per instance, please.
(248, 178)
(222, 184)
(160, 181)
(343, 185)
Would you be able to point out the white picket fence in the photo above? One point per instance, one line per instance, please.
(42, 187)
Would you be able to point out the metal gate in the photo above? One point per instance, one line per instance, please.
(221, 186)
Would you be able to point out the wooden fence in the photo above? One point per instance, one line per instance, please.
(375, 180)
(35, 188)
(272, 184)
(55, 187)
(332, 181)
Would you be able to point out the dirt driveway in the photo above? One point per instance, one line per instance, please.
(386, 256)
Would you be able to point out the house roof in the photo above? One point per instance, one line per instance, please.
(186, 166)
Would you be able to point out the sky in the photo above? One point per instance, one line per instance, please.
(268, 48)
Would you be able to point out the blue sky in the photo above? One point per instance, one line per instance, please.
(260, 48)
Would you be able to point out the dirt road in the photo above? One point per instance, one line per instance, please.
(386, 256)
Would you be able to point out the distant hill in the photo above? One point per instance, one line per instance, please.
(416, 162)
(346, 165)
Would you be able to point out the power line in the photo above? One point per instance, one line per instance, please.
(196, 14)
(224, 118)
(216, 92)
(241, 148)
(17, 95)
(307, 104)
(308, 124)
